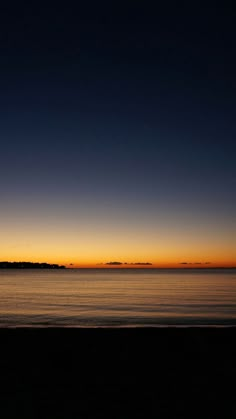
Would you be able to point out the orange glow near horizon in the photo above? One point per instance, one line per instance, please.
(179, 257)
(165, 265)
(93, 241)
(91, 256)
(127, 265)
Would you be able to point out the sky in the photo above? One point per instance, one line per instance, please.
(117, 134)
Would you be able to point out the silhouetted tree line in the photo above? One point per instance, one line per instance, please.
(29, 265)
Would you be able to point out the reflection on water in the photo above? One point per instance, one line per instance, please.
(86, 297)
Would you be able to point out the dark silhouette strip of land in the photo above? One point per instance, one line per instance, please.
(29, 265)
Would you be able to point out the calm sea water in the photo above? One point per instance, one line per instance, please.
(121, 297)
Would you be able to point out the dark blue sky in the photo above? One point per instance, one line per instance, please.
(106, 108)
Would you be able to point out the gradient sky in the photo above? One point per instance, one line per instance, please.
(117, 131)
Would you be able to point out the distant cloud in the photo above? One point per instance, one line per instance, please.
(141, 263)
(126, 263)
(195, 263)
(114, 263)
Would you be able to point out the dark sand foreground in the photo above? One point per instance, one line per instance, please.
(118, 373)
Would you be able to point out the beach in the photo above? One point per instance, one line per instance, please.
(118, 372)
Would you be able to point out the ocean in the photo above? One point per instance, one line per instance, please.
(117, 297)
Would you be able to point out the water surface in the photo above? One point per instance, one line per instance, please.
(117, 297)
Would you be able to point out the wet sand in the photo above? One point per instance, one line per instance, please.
(118, 373)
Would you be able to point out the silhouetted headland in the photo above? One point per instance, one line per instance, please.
(29, 265)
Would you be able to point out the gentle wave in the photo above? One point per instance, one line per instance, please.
(117, 298)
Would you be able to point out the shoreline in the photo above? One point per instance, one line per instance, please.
(121, 327)
(166, 372)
